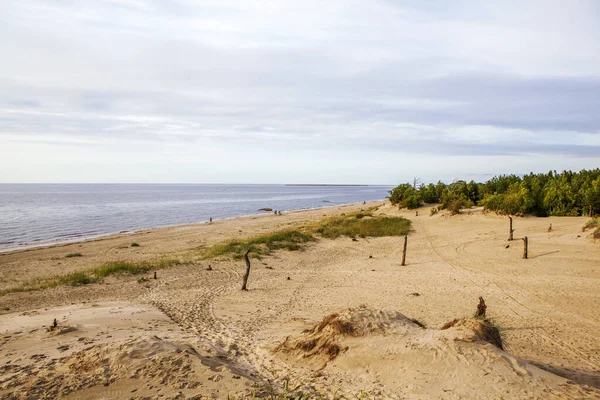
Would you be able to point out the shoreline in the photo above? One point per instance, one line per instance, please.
(111, 235)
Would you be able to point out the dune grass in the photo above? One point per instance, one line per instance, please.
(94, 275)
(359, 225)
(260, 245)
(70, 255)
(592, 223)
(363, 224)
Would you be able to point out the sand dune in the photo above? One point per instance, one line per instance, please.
(223, 340)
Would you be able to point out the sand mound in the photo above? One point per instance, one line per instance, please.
(483, 329)
(386, 353)
(323, 340)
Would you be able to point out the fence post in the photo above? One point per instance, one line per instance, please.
(404, 250)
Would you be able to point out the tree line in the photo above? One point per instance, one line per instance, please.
(558, 194)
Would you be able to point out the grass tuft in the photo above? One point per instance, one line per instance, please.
(70, 255)
(134, 244)
(592, 223)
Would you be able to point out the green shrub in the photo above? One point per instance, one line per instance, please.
(433, 211)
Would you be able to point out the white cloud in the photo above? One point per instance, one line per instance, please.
(126, 79)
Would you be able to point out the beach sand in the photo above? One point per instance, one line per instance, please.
(193, 332)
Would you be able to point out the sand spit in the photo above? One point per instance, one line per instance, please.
(215, 340)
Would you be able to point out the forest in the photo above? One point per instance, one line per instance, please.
(546, 194)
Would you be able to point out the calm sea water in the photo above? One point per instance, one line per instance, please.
(39, 214)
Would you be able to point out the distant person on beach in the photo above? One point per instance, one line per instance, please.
(210, 220)
(364, 203)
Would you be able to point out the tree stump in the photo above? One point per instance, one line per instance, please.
(404, 250)
(247, 274)
(481, 308)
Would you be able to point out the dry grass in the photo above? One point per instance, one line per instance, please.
(483, 328)
(323, 340)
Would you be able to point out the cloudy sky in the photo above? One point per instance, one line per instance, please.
(235, 91)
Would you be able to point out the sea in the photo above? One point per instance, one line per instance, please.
(33, 215)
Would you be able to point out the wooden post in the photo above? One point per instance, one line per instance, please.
(511, 230)
(247, 274)
(481, 308)
(404, 250)
(154, 274)
(525, 245)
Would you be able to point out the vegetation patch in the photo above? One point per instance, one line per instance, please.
(70, 255)
(592, 223)
(134, 244)
(559, 194)
(94, 275)
(363, 224)
(260, 245)
(358, 225)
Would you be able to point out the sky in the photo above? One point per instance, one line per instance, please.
(233, 91)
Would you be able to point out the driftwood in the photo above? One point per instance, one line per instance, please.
(247, 274)
(525, 247)
(404, 250)
(481, 308)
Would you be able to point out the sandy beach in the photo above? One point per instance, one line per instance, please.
(192, 333)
